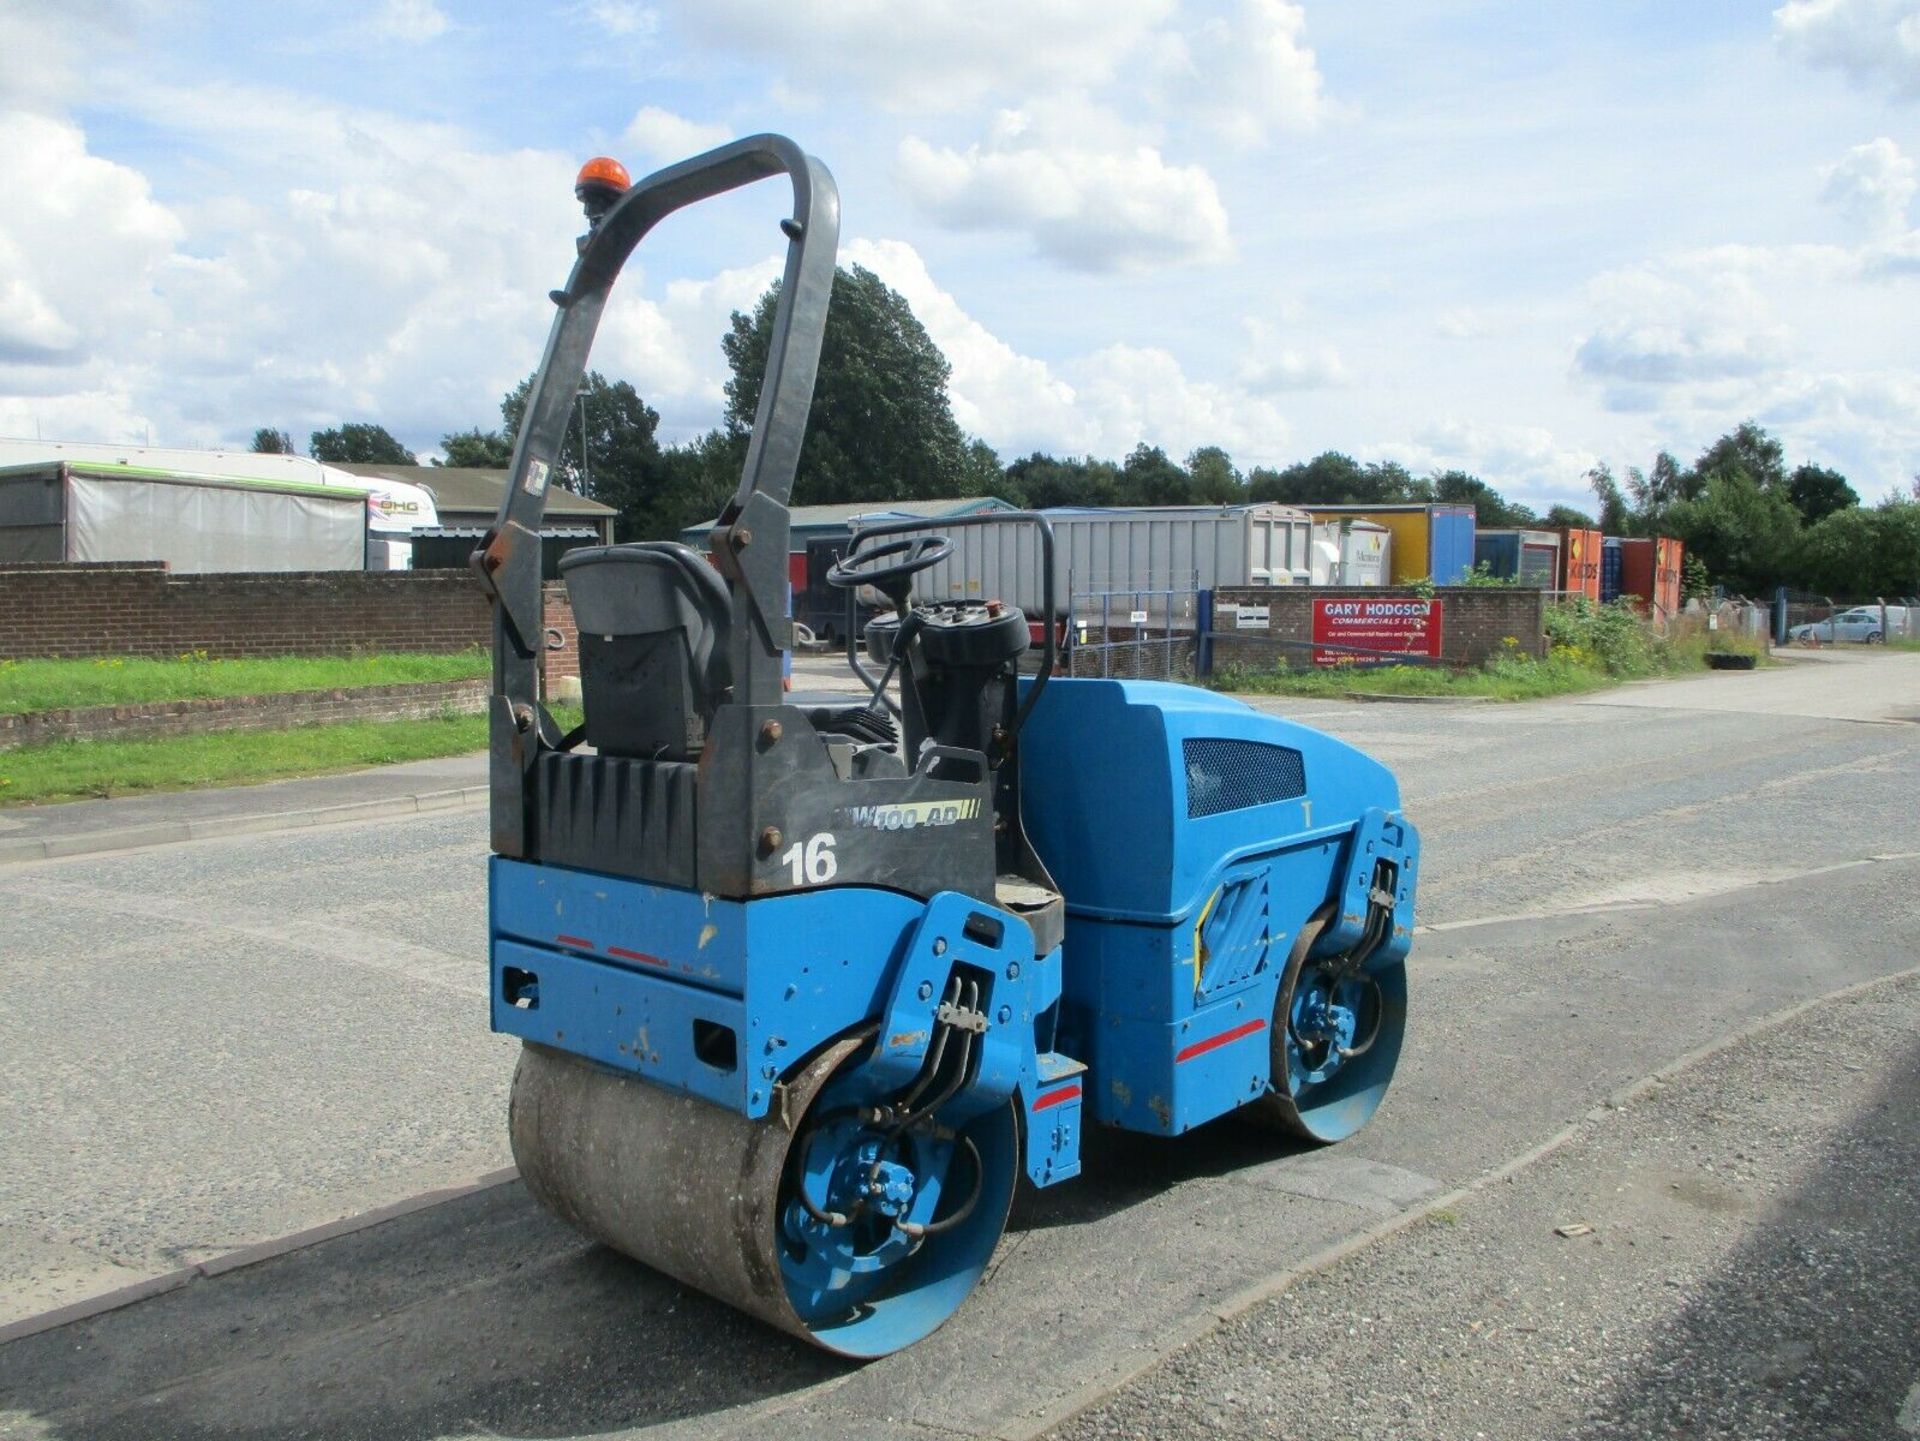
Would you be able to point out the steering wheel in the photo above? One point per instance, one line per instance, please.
(916, 553)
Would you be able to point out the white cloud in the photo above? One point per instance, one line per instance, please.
(661, 135)
(346, 295)
(1698, 319)
(1087, 208)
(622, 18)
(1141, 393)
(1244, 73)
(1873, 41)
(933, 54)
(83, 246)
(1527, 462)
(413, 21)
(48, 46)
(1872, 187)
(1270, 365)
(1014, 401)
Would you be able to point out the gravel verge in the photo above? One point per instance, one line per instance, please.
(1744, 1262)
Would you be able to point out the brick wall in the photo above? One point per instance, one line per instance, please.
(562, 656)
(140, 609)
(245, 713)
(1475, 622)
(85, 610)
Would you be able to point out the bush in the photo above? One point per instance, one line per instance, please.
(1607, 637)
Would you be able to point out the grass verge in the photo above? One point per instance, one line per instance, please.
(1590, 647)
(38, 685)
(78, 770)
(1508, 678)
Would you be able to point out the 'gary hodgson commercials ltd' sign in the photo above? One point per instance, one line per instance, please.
(1345, 631)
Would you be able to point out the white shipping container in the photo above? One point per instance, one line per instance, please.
(1124, 554)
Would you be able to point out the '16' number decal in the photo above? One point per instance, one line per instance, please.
(812, 864)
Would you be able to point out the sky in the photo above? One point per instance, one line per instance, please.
(1513, 238)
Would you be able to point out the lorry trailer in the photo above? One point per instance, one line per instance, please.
(394, 509)
(1154, 553)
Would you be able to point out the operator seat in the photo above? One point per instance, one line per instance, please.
(653, 618)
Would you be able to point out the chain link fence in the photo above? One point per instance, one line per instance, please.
(1816, 620)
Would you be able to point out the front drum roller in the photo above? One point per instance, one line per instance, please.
(1336, 1041)
(860, 1240)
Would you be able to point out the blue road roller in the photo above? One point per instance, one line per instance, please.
(806, 986)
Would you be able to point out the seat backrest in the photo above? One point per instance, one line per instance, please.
(653, 620)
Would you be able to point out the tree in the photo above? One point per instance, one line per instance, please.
(267, 441)
(1861, 553)
(1214, 479)
(1746, 448)
(1491, 509)
(477, 449)
(1615, 515)
(1654, 491)
(982, 473)
(1149, 477)
(358, 443)
(621, 463)
(882, 426)
(1565, 517)
(1746, 534)
(1039, 481)
(1817, 492)
(1332, 478)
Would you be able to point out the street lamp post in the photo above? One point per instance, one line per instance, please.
(586, 465)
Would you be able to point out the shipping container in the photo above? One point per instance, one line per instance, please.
(1143, 551)
(1427, 542)
(65, 511)
(1351, 552)
(1580, 561)
(1650, 573)
(1530, 557)
(1611, 569)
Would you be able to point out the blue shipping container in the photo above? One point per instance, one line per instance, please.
(1499, 552)
(1452, 544)
(1611, 560)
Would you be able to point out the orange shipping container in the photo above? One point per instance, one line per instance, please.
(1580, 563)
(1666, 575)
(1650, 573)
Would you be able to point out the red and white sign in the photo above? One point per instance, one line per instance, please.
(1344, 631)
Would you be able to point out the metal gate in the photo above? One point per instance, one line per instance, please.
(1151, 633)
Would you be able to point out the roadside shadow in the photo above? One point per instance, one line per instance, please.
(1807, 1329)
(480, 1316)
(1122, 1169)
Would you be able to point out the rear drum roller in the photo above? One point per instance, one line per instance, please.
(859, 1235)
(1336, 1040)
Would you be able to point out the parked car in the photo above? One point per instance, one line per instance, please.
(1862, 623)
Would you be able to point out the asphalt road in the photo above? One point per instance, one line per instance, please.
(216, 1043)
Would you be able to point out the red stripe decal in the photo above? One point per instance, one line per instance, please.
(641, 956)
(1213, 1043)
(579, 943)
(1059, 1097)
